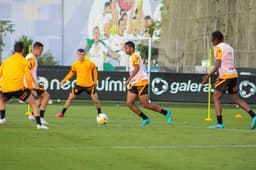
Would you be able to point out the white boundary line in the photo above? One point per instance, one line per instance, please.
(145, 147)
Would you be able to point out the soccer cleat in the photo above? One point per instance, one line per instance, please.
(2, 121)
(31, 117)
(253, 124)
(59, 115)
(43, 121)
(145, 122)
(168, 117)
(217, 126)
(41, 127)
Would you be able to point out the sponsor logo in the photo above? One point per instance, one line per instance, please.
(106, 84)
(247, 89)
(160, 86)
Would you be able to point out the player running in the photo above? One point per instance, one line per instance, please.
(42, 95)
(84, 70)
(12, 72)
(227, 80)
(139, 87)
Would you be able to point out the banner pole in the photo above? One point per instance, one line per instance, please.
(149, 65)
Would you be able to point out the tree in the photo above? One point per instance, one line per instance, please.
(46, 59)
(5, 28)
(27, 44)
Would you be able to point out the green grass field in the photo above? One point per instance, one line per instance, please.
(78, 142)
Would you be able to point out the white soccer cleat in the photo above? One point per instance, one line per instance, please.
(31, 117)
(43, 121)
(2, 121)
(41, 127)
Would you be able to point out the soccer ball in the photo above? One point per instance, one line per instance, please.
(102, 118)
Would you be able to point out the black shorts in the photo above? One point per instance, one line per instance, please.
(79, 89)
(229, 85)
(21, 94)
(39, 92)
(139, 90)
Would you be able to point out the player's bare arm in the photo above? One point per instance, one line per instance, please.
(216, 67)
(134, 72)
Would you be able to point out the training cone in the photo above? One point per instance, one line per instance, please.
(238, 116)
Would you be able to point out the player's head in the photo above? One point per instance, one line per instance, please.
(107, 8)
(80, 54)
(19, 47)
(217, 37)
(129, 47)
(148, 20)
(96, 34)
(38, 48)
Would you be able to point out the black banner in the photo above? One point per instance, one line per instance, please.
(163, 86)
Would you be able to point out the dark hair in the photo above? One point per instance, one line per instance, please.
(37, 45)
(217, 35)
(96, 27)
(124, 14)
(19, 46)
(107, 4)
(130, 44)
(121, 10)
(80, 50)
(147, 17)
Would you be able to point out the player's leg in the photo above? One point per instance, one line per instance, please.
(218, 110)
(235, 98)
(42, 102)
(219, 88)
(45, 97)
(130, 101)
(92, 92)
(144, 101)
(31, 101)
(96, 101)
(68, 102)
(2, 110)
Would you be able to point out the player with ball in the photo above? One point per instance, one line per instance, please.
(139, 87)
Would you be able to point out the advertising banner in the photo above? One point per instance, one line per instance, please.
(172, 87)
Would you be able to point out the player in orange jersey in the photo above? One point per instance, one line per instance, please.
(84, 70)
(139, 87)
(227, 80)
(12, 72)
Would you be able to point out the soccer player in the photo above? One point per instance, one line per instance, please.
(12, 72)
(84, 70)
(42, 95)
(139, 87)
(227, 80)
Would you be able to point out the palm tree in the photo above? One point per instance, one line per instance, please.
(5, 27)
(27, 44)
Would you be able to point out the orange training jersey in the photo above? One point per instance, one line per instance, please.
(225, 53)
(33, 65)
(141, 78)
(86, 73)
(12, 72)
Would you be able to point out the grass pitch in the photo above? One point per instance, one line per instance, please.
(78, 142)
